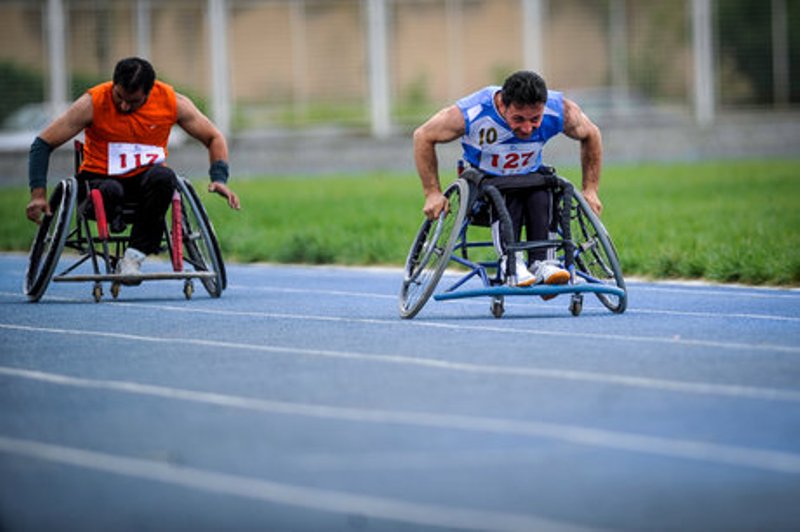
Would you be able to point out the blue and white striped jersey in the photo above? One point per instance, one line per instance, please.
(489, 143)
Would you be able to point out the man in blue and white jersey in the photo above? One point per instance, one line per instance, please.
(502, 131)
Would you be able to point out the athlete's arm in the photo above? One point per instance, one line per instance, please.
(200, 127)
(74, 120)
(445, 126)
(578, 126)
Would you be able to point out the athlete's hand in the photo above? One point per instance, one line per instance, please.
(591, 197)
(223, 190)
(435, 203)
(37, 206)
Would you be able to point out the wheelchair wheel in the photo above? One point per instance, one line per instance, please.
(595, 257)
(50, 238)
(200, 247)
(430, 253)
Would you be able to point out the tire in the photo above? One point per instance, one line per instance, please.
(200, 246)
(431, 251)
(595, 256)
(50, 238)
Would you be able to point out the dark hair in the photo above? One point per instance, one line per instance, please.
(135, 73)
(524, 88)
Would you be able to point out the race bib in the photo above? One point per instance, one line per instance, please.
(124, 157)
(509, 159)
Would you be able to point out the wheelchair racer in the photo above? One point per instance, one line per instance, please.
(127, 122)
(502, 131)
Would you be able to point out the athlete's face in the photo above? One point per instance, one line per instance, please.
(523, 120)
(127, 102)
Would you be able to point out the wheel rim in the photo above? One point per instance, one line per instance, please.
(596, 259)
(50, 238)
(200, 251)
(430, 253)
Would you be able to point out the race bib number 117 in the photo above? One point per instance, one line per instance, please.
(124, 157)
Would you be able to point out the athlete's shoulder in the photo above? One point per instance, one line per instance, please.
(100, 89)
(163, 87)
(555, 103)
(105, 86)
(553, 122)
(480, 97)
(165, 98)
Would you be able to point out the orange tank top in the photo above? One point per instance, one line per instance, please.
(124, 145)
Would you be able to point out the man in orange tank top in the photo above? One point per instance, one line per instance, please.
(127, 122)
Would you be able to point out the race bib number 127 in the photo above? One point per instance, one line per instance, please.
(124, 157)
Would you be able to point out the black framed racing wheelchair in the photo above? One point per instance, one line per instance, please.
(577, 239)
(92, 250)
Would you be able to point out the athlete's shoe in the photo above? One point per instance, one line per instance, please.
(130, 265)
(549, 272)
(524, 276)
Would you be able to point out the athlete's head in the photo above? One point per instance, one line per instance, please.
(524, 88)
(133, 80)
(522, 102)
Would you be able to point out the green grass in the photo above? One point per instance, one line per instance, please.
(730, 222)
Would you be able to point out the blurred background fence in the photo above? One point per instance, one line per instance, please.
(376, 68)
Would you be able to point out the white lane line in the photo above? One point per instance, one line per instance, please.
(716, 315)
(419, 460)
(510, 302)
(514, 302)
(698, 388)
(768, 460)
(733, 291)
(275, 492)
(669, 340)
(316, 291)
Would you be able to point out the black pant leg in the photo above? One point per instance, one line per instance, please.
(530, 208)
(110, 188)
(515, 203)
(537, 219)
(154, 189)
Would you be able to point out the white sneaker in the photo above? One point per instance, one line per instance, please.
(131, 263)
(549, 272)
(524, 276)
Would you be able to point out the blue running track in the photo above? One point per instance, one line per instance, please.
(300, 401)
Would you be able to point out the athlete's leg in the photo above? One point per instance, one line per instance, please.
(515, 204)
(537, 214)
(153, 191)
(111, 190)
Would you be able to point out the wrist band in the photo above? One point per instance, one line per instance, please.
(38, 163)
(219, 171)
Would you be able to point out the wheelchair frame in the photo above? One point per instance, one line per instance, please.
(189, 238)
(584, 246)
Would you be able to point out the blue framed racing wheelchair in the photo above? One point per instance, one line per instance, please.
(78, 223)
(577, 239)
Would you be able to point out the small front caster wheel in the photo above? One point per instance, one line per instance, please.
(576, 305)
(115, 290)
(497, 307)
(97, 292)
(188, 289)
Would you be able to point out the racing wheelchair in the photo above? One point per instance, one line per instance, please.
(82, 227)
(577, 239)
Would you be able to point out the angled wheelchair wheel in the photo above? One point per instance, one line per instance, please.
(595, 256)
(200, 246)
(50, 238)
(430, 253)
